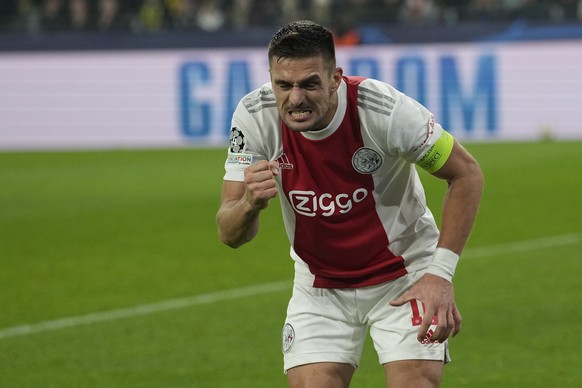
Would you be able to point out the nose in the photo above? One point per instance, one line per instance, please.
(296, 96)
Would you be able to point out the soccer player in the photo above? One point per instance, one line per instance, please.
(340, 152)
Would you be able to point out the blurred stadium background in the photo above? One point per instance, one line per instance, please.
(113, 126)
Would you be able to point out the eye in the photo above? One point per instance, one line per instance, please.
(311, 83)
(284, 86)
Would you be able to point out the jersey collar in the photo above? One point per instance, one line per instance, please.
(337, 118)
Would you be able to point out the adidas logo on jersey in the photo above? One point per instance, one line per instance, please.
(284, 162)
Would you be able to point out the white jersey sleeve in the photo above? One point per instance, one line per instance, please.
(410, 130)
(253, 134)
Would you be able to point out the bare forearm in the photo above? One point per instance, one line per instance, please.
(241, 203)
(460, 209)
(237, 222)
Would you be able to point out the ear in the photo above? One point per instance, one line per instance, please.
(336, 78)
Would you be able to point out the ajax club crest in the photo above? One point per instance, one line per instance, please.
(366, 160)
(288, 337)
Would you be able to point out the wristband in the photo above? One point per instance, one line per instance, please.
(443, 264)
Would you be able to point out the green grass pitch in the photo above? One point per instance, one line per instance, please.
(94, 232)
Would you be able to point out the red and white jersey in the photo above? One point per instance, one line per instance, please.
(353, 205)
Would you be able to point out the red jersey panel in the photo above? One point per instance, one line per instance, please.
(338, 232)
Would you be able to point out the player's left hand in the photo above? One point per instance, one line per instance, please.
(438, 297)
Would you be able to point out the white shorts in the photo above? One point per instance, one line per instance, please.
(330, 325)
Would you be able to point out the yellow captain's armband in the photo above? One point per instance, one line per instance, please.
(438, 154)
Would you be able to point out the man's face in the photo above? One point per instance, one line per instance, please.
(306, 92)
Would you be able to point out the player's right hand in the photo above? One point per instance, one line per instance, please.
(260, 183)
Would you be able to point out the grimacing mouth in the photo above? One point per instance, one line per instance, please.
(300, 113)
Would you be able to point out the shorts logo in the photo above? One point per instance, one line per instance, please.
(288, 337)
(366, 160)
(237, 140)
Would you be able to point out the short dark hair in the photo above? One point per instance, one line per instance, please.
(303, 39)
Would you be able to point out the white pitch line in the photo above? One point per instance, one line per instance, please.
(243, 292)
(523, 246)
(145, 309)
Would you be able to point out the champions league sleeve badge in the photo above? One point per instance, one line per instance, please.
(237, 140)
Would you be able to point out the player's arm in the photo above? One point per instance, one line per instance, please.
(241, 203)
(447, 160)
(465, 185)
